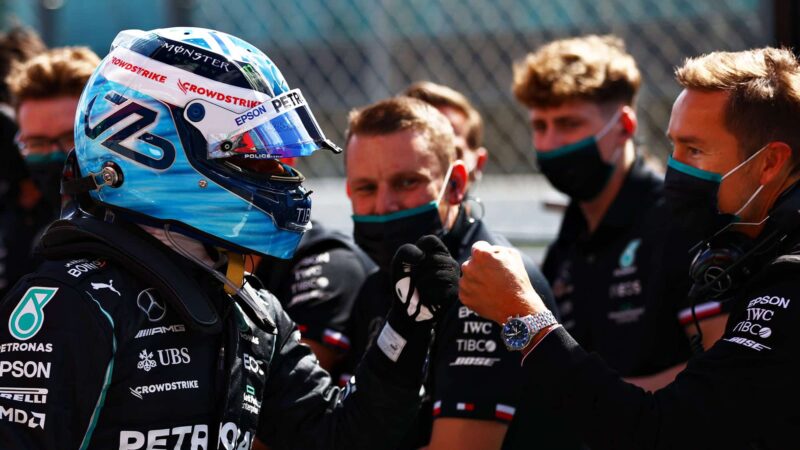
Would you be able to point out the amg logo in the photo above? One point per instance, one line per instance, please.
(474, 361)
(177, 328)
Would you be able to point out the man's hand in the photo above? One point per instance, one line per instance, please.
(425, 279)
(495, 284)
(425, 282)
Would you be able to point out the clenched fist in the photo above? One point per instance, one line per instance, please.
(495, 284)
(425, 279)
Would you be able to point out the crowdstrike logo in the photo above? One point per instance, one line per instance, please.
(187, 87)
(140, 391)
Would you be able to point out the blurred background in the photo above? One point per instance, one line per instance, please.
(347, 53)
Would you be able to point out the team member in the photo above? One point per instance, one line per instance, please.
(404, 181)
(138, 331)
(463, 116)
(618, 267)
(733, 175)
(45, 90)
(318, 288)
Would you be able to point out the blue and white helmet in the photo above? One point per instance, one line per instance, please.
(186, 126)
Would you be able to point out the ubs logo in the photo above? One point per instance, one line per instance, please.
(153, 309)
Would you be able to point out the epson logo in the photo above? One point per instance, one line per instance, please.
(25, 369)
(177, 328)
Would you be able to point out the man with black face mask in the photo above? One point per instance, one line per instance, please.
(404, 182)
(45, 90)
(733, 174)
(619, 265)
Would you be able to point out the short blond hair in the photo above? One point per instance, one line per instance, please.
(440, 96)
(397, 114)
(58, 72)
(764, 93)
(591, 68)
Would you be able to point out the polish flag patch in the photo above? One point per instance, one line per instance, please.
(703, 311)
(504, 412)
(465, 406)
(336, 339)
(437, 408)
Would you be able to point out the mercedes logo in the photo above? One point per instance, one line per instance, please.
(147, 302)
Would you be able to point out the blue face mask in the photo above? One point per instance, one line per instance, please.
(692, 194)
(578, 169)
(381, 235)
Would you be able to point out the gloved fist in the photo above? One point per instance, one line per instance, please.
(425, 279)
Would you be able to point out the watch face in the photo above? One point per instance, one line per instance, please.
(516, 334)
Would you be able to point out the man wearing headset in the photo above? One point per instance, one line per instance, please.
(618, 265)
(733, 175)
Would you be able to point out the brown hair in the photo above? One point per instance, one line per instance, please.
(764, 94)
(591, 68)
(440, 96)
(16, 45)
(396, 114)
(55, 73)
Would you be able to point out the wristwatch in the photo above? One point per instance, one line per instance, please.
(518, 331)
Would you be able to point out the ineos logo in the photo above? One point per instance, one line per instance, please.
(154, 310)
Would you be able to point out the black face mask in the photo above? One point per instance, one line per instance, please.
(577, 169)
(46, 174)
(381, 236)
(692, 196)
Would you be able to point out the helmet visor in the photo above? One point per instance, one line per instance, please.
(281, 127)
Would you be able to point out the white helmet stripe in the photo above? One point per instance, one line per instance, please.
(175, 86)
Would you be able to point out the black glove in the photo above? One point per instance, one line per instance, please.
(425, 282)
(425, 279)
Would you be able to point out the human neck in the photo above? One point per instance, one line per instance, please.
(594, 210)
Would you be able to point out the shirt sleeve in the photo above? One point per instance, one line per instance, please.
(307, 411)
(474, 375)
(56, 351)
(745, 383)
(319, 295)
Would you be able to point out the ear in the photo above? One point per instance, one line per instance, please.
(347, 189)
(457, 186)
(629, 121)
(777, 160)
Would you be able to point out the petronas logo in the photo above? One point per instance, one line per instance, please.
(28, 316)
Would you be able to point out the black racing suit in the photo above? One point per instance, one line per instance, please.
(740, 394)
(93, 356)
(319, 285)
